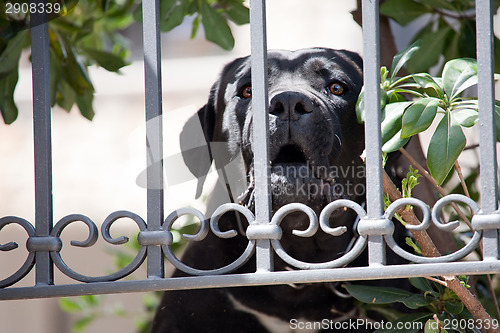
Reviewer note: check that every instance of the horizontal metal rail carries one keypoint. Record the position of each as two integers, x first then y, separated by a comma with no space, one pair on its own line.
253,279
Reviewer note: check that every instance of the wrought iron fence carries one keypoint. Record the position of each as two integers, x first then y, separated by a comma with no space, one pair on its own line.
155,238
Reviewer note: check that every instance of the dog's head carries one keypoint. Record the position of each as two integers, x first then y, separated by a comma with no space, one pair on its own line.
314,140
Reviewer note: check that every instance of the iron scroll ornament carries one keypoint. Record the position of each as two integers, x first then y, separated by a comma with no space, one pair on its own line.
271,231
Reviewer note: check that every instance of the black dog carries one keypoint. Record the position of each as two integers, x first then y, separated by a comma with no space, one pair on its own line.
315,148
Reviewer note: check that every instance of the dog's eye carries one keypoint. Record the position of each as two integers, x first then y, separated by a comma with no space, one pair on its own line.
336,88
246,92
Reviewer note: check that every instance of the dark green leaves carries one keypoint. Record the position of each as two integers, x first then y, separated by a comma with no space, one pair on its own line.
7,106
9,74
447,29
216,28
214,16
386,295
106,60
403,11
172,13
91,34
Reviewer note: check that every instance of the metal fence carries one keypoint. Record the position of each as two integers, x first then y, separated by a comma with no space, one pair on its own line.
155,238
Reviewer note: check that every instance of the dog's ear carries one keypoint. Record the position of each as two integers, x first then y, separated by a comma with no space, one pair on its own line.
195,139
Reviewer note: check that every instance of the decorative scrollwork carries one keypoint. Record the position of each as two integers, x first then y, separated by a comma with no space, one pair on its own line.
91,240
203,232
272,231
30,260
436,212
312,229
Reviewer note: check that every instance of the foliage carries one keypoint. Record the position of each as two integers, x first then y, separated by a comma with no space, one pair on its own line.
448,29
430,97
89,33
409,106
432,302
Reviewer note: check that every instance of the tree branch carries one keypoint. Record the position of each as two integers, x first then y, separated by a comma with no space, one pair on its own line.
429,249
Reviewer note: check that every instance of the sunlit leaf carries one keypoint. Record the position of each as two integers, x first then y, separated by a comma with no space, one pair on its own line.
419,116
446,144
458,75
466,117
402,57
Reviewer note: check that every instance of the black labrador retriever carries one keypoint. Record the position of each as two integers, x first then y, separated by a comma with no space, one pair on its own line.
315,145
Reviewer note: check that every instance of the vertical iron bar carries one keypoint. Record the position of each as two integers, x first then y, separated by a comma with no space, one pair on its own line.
154,131
371,77
42,140
260,107
487,129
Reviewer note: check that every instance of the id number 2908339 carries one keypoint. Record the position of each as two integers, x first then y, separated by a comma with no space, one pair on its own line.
24,8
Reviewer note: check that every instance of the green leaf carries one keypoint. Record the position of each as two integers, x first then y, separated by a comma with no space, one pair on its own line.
75,72
466,117
454,308
403,11
84,103
70,304
216,28
238,13
497,119
172,13
394,143
385,295
196,24
432,48
467,44
360,103
66,96
458,75
421,283
426,81
430,51
391,124
445,4
9,57
8,107
445,146
82,323
419,116
360,107
402,57
106,60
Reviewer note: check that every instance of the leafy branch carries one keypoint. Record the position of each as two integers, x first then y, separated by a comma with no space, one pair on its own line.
89,33
410,104
433,99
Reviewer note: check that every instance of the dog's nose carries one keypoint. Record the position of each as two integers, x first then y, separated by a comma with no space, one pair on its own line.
290,105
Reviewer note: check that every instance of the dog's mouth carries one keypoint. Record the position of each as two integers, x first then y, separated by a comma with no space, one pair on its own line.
299,175
290,154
